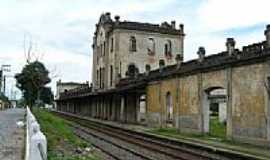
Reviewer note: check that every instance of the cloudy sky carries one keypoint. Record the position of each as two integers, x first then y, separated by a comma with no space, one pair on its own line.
62,30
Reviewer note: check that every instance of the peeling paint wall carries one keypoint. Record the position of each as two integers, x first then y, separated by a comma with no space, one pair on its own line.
248,116
189,112
168,86
153,105
248,101
140,57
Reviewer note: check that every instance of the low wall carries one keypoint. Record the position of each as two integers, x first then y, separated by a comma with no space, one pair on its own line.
36,143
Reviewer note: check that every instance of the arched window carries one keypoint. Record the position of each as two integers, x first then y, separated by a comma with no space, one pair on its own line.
169,106
151,46
132,70
132,44
168,49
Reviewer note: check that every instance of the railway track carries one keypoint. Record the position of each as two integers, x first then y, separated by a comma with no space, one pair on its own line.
145,146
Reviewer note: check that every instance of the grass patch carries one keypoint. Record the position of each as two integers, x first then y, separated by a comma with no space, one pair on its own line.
216,139
62,142
217,129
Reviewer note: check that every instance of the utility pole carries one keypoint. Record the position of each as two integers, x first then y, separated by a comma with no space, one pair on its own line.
4,86
1,78
4,68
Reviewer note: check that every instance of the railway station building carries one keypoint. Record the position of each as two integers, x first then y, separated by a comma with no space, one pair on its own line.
139,77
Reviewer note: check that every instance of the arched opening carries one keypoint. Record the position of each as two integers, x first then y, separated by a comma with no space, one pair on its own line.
168,49
142,109
215,111
151,47
132,70
169,109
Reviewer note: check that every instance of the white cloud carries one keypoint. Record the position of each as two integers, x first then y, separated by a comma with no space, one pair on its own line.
216,15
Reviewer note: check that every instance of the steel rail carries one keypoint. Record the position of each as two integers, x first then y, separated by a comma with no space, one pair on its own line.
170,150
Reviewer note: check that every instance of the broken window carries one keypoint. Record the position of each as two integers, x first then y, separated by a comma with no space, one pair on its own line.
132,44
112,44
97,76
104,49
151,47
169,107
111,75
168,49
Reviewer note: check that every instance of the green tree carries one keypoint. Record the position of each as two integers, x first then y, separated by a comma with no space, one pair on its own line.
46,95
32,82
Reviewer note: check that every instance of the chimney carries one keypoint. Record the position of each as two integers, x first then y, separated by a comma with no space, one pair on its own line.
179,60
201,54
267,35
181,27
147,69
230,44
161,65
108,15
173,24
117,19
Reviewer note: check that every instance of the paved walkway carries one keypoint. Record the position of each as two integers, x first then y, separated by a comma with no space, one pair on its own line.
11,136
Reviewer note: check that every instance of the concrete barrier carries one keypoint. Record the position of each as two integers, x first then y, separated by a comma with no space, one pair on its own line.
36,143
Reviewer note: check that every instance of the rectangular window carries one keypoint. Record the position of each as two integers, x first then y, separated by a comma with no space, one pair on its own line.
120,69
97,53
111,44
100,78
111,75
97,77
104,50
101,50
103,77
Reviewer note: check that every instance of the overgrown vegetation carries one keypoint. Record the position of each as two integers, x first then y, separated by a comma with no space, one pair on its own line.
217,129
217,138
63,144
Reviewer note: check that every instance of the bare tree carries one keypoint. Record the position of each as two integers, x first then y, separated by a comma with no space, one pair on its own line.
33,53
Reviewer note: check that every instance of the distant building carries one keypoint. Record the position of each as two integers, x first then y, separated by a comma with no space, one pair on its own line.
124,48
13,103
62,87
4,104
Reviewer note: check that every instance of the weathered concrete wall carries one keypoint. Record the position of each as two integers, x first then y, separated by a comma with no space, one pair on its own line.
140,58
248,102
120,57
153,105
185,101
189,112
167,86
248,117
214,79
